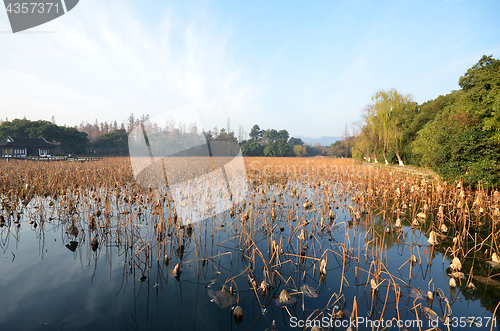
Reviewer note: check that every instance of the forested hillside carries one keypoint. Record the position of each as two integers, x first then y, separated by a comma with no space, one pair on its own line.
457,135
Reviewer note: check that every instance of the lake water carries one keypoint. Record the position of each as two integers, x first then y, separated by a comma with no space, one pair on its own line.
53,280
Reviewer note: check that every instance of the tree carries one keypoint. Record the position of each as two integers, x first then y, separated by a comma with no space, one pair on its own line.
457,134
370,130
282,148
295,147
256,133
115,142
295,141
270,136
481,87
270,149
480,75
463,140
224,136
393,111
72,141
130,123
283,135
299,150
252,148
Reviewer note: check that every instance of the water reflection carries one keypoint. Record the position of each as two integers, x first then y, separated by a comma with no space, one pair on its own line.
107,259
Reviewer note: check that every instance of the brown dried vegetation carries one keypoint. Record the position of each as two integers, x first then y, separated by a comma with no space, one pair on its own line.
294,204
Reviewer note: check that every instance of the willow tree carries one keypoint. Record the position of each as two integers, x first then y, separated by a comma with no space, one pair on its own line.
391,118
372,128
368,141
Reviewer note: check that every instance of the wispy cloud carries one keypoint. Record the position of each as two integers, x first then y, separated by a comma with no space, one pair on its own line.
254,63
104,62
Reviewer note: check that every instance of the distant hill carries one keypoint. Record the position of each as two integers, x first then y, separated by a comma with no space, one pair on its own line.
324,141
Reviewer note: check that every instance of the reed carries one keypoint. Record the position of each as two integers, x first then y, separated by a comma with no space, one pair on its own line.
299,223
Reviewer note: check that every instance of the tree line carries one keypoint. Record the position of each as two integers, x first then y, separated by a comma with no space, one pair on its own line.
272,142
72,140
457,135
111,139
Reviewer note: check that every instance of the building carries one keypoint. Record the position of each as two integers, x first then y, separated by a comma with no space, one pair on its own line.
23,147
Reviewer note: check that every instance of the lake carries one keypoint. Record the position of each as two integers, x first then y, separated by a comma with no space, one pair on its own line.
96,259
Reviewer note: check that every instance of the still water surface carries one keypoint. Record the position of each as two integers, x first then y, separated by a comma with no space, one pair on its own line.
52,280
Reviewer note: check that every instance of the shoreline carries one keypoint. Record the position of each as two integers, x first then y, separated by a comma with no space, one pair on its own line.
407,169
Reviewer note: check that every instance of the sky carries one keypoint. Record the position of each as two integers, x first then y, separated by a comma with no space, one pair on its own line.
308,67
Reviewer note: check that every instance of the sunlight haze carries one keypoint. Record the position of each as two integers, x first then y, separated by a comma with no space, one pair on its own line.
307,67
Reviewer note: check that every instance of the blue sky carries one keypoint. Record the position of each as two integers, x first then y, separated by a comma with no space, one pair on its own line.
309,67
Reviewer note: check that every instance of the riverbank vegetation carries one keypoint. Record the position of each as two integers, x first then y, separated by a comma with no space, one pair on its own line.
457,135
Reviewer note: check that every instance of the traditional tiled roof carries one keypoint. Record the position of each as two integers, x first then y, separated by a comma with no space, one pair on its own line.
27,142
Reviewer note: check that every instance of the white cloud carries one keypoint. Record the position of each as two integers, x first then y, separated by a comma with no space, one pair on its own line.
104,62
309,72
